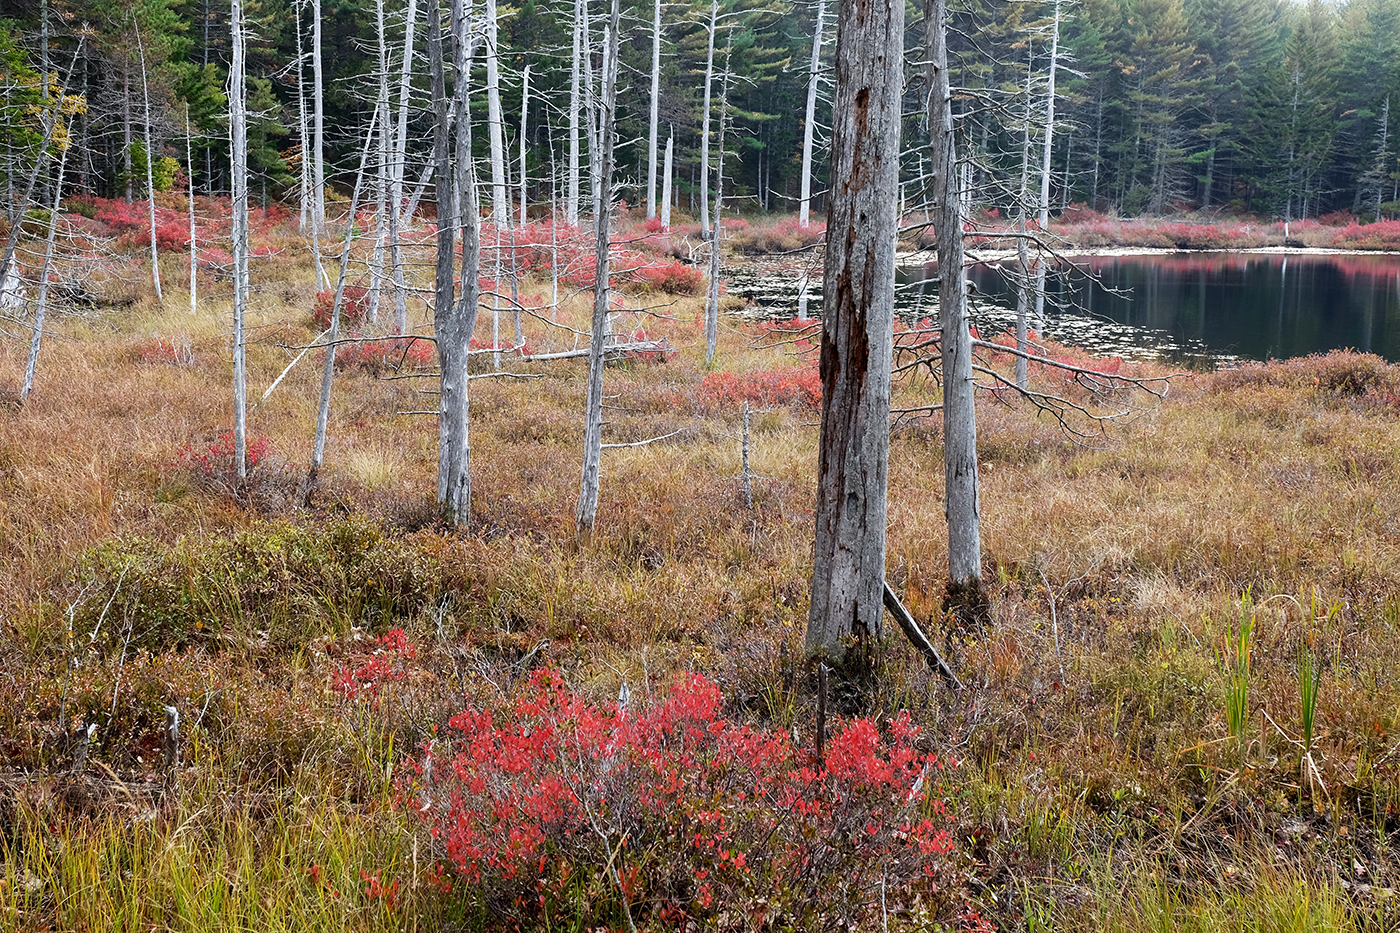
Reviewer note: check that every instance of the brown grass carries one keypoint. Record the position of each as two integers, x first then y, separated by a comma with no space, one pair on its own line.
1094,780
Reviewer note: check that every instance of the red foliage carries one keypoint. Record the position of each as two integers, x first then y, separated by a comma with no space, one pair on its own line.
800,386
388,659
354,306
392,354
171,352
681,809
673,278
216,460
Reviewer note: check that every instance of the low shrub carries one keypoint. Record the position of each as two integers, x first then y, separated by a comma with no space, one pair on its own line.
354,306
798,387
392,354
549,807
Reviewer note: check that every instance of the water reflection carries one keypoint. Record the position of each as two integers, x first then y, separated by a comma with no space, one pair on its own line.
1185,306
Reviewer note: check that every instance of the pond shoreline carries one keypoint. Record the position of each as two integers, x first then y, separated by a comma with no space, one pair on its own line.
978,256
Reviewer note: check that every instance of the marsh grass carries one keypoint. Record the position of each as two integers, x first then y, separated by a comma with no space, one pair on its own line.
1100,784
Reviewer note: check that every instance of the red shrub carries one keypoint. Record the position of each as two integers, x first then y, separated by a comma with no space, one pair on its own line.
800,386
393,354
673,813
673,278
216,460
354,306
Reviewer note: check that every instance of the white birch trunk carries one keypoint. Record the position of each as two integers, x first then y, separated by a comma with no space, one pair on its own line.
652,139
959,414
848,576
602,210
238,144
809,125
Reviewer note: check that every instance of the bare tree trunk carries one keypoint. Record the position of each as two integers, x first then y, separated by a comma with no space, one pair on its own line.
809,126
602,211
405,95
500,200
383,182
150,170
666,182
959,415
1023,259
19,206
323,415
705,123
318,110
238,135
524,116
194,239
848,574
454,322
571,190
712,293
42,298
655,109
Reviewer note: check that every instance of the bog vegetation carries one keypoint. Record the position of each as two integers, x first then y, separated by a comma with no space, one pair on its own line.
1178,710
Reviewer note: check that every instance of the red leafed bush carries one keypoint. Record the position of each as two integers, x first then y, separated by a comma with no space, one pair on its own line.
376,356
673,278
800,386
387,662
215,461
354,306
177,351
673,814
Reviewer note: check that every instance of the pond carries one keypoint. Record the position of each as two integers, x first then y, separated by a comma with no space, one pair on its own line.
1202,308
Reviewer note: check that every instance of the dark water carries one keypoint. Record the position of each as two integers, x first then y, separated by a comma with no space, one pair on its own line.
1194,307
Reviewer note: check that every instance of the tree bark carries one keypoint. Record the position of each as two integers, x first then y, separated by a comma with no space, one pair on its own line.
655,109
705,123
318,119
666,182
602,210
150,168
524,117
848,575
959,416
500,198
454,321
809,125
571,190
238,135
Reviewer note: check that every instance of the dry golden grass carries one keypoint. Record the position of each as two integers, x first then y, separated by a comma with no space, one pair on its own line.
1091,731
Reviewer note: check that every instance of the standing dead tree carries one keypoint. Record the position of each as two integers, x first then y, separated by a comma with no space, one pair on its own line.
848,576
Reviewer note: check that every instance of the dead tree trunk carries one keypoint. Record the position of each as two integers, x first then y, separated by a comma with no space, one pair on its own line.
454,320
323,415
809,127
655,109
602,211
959,416
848,575
238,135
